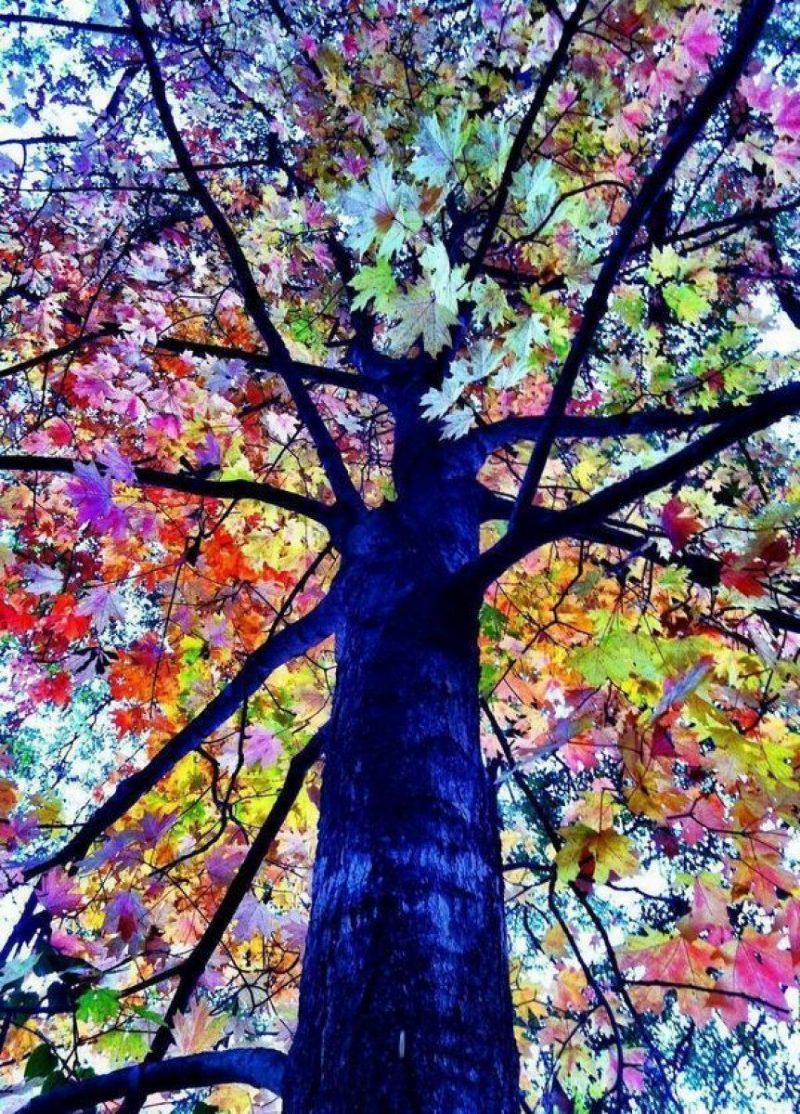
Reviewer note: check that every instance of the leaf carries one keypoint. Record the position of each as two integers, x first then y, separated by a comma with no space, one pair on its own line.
375,284
619,656
98,1004
261,747
381,210
439,148
102,605
58,893
421,317
686,302
445,281
537,189
759,970
17,969
41,1062
253,919
595,855
43,580
679,523
196,1030
699,40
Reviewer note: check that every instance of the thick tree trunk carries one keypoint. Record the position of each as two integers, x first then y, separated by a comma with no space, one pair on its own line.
405,1001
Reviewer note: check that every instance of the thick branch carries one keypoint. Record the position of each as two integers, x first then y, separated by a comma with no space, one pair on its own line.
66,24
749,28
308,373
55,353
192,969
538,527
279,648
634,423
261,1068
523,134
326,447
188,483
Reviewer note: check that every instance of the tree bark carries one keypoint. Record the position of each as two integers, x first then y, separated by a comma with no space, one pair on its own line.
405,1003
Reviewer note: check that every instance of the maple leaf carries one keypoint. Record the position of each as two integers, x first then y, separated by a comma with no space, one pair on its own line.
744,578
679,522
91,494
699,39
43,580
196,1030
253,919
439,148
102,605
421,317
381,210
57,892
376,284
787,117
535,186
261,747
759,970
595,855
125,916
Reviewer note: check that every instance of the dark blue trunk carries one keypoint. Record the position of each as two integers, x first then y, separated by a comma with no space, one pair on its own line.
405,1002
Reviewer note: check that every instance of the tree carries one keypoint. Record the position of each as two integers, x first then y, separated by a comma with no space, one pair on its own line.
399,478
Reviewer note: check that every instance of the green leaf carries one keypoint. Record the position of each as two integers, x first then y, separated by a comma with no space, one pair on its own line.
41,1062
685,302
99,1004
619,656
376,283
123,1046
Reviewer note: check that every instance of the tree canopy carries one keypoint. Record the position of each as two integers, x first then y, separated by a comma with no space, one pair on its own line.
248,246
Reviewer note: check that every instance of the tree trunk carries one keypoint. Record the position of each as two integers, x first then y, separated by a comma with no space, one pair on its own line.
405,1003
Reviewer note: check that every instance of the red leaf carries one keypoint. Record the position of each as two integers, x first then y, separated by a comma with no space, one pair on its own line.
743,580
679,523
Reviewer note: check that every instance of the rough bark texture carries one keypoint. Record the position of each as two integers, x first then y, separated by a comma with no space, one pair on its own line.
405,1002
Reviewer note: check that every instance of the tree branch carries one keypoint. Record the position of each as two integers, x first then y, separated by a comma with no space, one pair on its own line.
632,423
749,28
186,482
330,458
538,527
66,24
523,134
260,1067
61,350
705,570
191,970
278,648
303,372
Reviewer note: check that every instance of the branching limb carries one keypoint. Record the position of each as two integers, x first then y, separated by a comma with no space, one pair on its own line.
8,19
191,970
186,482
308,373
538,527
54,353
750,26
261,1068
330,458
279,648
527,125
634,423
